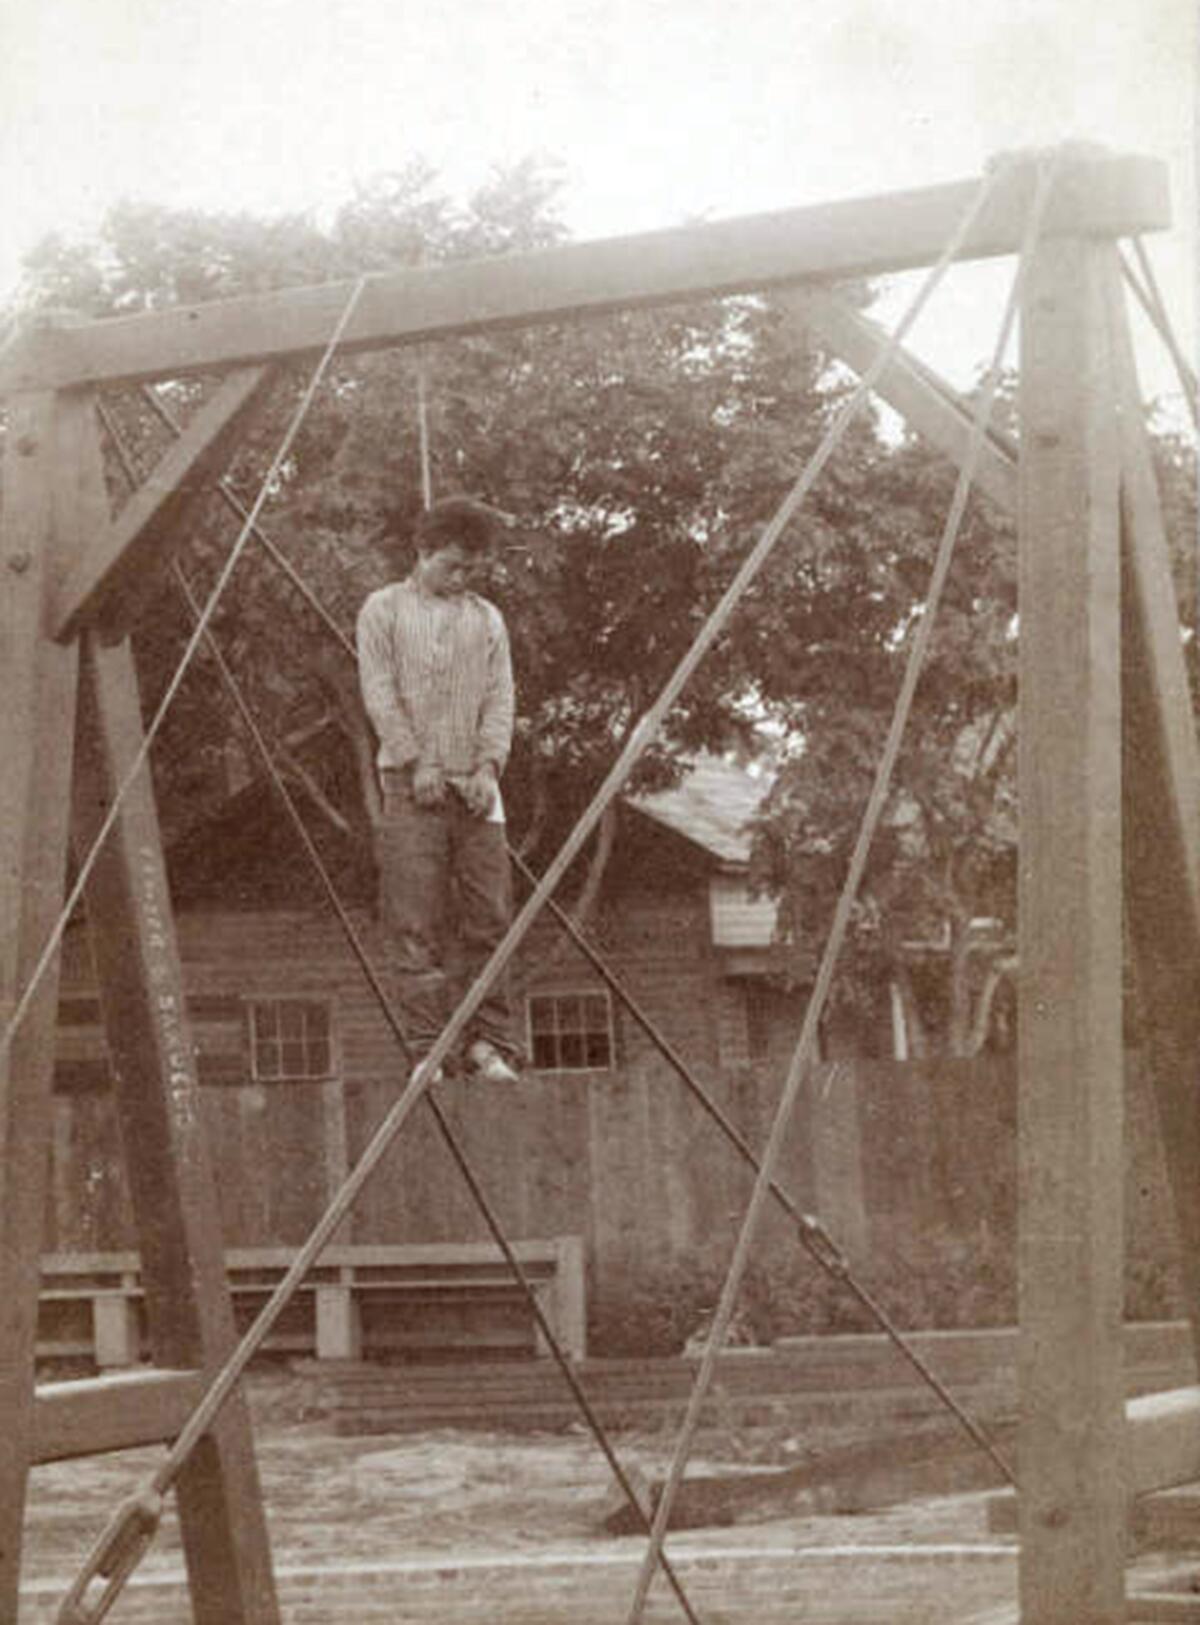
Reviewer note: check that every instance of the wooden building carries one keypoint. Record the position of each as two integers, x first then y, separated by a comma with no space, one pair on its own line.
298,1063
601,1139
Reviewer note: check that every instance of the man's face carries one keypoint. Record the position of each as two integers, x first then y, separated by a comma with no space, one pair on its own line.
447,572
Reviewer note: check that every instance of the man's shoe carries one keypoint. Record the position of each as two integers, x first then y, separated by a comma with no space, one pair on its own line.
488,1063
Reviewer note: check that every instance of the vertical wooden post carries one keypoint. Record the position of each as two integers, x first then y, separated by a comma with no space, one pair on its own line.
46,511
837,1155
1071,1089
335,1142
158,1100
1161,810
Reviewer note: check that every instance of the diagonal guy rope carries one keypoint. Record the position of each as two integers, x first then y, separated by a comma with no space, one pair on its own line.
874,809
163,1477
139,761
135,1522
811,1233
644,731
633,748
1151,300
121,1544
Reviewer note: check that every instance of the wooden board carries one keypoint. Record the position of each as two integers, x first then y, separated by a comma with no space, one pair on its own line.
1070,1115
925,401
1163,1440
126,559
112,1413
53,496
174,1196
1161,811
1113,196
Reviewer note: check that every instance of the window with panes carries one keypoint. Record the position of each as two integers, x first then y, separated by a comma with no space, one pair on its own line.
570,1032
290,1038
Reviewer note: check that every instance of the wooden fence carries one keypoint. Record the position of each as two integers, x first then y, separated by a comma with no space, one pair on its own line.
898,1161
893,1157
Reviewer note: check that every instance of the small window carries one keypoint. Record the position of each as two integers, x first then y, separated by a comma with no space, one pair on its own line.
290,1038
570,1032
772,1018
762,1010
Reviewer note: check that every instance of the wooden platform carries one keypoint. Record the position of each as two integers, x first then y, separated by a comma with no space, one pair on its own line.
818,1382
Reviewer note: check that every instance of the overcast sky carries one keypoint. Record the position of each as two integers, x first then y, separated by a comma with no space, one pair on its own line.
658,110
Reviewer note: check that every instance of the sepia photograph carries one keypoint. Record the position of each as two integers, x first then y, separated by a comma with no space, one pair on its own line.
599,812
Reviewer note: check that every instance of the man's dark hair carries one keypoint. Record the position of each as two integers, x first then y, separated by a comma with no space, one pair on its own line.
473,525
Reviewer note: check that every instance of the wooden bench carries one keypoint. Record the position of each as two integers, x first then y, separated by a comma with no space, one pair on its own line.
428,1298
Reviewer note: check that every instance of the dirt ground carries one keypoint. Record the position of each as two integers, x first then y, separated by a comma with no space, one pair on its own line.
466,1498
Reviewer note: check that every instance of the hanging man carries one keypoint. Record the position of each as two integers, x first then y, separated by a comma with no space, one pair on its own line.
436,680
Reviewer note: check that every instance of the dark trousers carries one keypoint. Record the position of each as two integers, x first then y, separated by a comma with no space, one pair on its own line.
446,903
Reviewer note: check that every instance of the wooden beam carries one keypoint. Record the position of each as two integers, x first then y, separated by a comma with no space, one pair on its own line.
118,1412
123,563
1160,1607
1162,1448
925,401
1106,196
53,496
157,1092
1162,1440
1161,810
1070,1100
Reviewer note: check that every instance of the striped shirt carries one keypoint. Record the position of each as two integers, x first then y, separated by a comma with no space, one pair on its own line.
436,678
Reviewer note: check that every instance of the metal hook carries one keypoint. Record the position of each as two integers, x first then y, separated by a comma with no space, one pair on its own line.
116,1554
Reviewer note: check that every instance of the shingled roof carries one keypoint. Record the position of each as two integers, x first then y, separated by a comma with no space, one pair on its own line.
712,805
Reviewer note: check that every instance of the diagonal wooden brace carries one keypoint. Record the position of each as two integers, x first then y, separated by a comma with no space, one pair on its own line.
1160,808
171,1179
924,399
124,562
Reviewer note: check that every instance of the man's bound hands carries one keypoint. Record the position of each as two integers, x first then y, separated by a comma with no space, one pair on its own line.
429,784
479,789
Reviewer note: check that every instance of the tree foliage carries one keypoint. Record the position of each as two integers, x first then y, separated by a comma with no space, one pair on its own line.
637,456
